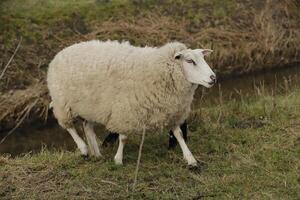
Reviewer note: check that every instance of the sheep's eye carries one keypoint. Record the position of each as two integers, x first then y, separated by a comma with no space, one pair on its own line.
191,61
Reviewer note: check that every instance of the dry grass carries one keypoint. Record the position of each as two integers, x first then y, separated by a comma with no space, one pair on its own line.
13,106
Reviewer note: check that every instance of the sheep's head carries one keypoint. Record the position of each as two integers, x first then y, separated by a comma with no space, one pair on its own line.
195,68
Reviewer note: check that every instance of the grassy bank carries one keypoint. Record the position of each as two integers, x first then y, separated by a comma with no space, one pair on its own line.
248,149
245,35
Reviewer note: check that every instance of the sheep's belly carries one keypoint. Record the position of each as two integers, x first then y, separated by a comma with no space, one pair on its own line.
126,120
161,120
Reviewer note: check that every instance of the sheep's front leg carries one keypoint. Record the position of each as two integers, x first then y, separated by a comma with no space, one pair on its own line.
91,138
119,155
186,152
80,143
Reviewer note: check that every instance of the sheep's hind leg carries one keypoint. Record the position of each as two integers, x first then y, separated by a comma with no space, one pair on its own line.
80,143
119,155
173,140
186,152
91,138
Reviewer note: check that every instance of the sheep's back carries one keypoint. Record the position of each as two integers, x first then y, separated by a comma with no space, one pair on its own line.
91,78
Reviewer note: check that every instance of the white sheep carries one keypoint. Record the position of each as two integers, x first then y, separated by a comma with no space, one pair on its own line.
127,89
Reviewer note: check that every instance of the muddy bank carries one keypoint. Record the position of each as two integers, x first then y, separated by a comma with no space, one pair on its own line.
246,37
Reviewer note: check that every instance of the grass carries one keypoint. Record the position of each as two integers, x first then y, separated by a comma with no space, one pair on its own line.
247,149
246,36
30,16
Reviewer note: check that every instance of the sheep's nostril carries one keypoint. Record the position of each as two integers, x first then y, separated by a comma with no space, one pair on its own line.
213,78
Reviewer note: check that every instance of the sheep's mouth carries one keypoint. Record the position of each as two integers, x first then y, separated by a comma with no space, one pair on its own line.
206,84
211,83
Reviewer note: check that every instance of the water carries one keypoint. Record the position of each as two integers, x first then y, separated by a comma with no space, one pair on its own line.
38,136
35,138
276,81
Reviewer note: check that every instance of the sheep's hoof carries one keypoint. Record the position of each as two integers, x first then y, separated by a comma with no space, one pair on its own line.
98,156
118,163
193,166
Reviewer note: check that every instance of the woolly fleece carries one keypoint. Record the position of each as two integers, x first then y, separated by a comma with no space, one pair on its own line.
123,87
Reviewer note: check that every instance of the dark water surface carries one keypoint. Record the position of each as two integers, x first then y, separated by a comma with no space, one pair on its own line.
36,137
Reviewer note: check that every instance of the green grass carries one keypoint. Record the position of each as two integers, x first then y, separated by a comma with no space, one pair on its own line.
247,150
246,35
30,18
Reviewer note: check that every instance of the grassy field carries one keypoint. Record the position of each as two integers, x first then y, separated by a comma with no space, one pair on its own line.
248,148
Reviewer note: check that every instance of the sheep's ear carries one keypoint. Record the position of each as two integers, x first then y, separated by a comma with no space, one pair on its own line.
206,52
178,55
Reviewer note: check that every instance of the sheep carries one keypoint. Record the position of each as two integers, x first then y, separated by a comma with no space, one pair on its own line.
127,89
